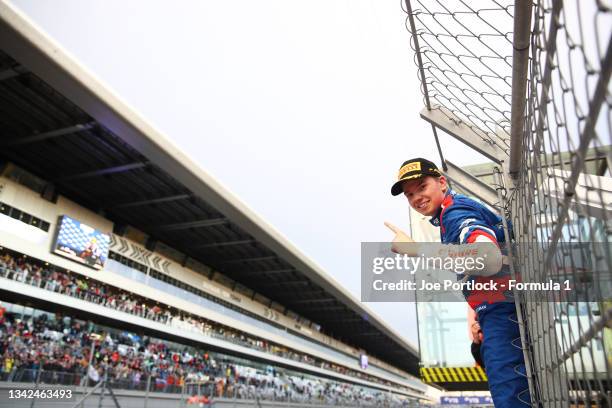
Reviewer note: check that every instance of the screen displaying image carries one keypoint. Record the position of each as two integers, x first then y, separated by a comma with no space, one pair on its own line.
81,243
363,361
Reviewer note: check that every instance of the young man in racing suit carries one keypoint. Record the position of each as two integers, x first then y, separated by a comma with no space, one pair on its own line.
464,221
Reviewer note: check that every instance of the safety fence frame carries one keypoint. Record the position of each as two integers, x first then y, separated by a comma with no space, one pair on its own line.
526,85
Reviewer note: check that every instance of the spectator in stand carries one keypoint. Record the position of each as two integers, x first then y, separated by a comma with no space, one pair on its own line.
72,284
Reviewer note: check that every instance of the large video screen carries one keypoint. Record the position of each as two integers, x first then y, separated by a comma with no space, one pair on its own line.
81,243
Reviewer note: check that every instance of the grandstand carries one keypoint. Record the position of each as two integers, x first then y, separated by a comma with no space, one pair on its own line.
123,263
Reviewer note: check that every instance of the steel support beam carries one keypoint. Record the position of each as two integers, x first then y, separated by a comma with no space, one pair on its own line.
48,135
520,63
315,291
592,194
301,302
291,282
589,156
605,165
337,320
101,172
270,272
320,316
150,201
471,184
255,259
444,119
223,244
177,226
326,308
12,72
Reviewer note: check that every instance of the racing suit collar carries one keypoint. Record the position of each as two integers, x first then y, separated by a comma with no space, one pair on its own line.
435,220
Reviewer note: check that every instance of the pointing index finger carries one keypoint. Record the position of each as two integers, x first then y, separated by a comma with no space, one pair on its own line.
392,227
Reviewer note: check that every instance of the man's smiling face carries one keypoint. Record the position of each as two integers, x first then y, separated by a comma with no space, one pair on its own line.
425,194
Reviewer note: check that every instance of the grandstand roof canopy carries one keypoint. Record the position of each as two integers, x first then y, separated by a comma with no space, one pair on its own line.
60,123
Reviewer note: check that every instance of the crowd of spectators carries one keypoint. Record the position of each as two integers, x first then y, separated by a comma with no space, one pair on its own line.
59,348
35,273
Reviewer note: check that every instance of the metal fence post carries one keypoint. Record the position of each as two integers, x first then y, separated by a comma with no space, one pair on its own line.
38,374
146,401
499,181
104,385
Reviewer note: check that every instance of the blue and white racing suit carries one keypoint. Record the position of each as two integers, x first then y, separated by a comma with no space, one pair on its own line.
463,220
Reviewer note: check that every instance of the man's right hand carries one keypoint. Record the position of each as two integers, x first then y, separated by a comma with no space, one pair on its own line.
476,333
400,238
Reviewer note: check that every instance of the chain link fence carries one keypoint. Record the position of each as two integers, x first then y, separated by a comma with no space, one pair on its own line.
562,199
464,54
527,84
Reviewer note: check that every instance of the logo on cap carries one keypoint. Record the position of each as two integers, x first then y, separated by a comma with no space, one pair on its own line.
414,166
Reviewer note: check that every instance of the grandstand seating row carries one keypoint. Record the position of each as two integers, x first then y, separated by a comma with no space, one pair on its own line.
56,349
31,272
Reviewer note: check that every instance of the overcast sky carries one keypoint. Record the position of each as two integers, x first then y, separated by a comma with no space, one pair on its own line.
303,109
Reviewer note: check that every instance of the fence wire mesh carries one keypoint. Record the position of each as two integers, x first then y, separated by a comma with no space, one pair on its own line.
560,200
465,55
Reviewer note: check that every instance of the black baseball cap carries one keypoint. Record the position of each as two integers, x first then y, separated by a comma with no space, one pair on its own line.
412,169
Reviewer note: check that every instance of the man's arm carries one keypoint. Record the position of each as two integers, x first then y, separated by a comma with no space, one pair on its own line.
486,248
